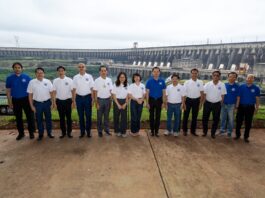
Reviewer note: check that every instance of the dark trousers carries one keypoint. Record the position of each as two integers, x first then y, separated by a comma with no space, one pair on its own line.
103,112
43,108
64,108
191,104
244,113
136,113
155,113
84,106
215,109
20,105
120,117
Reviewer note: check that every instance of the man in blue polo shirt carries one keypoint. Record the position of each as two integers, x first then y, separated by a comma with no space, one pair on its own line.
155,97
16,91
228,106
248,104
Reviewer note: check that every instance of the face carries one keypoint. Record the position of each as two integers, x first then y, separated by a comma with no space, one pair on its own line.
61,72
122,78
137,78
232,78
174,80
81,68
250,79
39,74
194,74
156,73
216,76
17,69
103,72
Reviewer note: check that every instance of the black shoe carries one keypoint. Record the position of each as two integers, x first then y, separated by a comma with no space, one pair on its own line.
82,135
19,137
31,136
62,136
89,135
246,140
213,136
157,135
152,134
100,135
108,133
185,133
194,134
69,135
237,138
51,136
204,135
40,138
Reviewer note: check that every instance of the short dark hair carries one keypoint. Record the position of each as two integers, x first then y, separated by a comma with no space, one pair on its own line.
194,69
17,63
102,66
118,82
232,73
134,75
39,68
60,67
175,75
155,68
216,71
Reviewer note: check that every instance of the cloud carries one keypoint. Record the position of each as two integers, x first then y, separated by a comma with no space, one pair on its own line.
117,23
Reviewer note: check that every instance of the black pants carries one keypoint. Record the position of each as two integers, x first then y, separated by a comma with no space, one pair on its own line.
191,104
120,117
215,108
64,108
20,104
244,112
155,113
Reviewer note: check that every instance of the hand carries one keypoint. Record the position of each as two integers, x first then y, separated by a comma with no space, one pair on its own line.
10,106
256,110
124,106
166,107
200,107
183,107
97,106
147,105
33,109
73,104
54,106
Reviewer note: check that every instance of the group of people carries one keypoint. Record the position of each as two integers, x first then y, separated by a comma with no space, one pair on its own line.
36,97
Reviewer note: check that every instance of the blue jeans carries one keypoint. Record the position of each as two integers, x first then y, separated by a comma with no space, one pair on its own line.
43,108
173,109
136,112
84,106
227,118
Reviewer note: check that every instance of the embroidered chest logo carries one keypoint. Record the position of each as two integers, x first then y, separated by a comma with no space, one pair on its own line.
23,80
178,90
160,83
219,88
198,85
66,83
233,89
253,90
45,84
87,79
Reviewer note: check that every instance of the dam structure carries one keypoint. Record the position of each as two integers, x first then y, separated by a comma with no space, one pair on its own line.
247,57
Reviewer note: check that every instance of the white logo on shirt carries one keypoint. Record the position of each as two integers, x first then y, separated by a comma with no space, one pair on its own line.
252,90
24,80
233,89
160,83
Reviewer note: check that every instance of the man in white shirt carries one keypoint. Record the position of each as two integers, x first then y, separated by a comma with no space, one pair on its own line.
82,98
63,94
214,92
40,92
193,101
175,100
102,94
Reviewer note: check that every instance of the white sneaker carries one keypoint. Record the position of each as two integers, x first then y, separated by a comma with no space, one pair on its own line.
119,134
124,135
176,134
166,133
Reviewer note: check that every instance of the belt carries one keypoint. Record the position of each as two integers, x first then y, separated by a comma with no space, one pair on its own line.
83,96
193,98
42,101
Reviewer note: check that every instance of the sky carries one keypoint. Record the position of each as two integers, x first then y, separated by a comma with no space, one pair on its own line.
114,24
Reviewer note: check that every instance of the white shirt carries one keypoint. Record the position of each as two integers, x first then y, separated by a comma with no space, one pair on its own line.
103,87
120,92
214,92
63,87
137,91
83,84
193,88
174,93
40,89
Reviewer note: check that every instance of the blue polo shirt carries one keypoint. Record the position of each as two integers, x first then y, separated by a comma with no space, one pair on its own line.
232,93
155,87
248,94
18,85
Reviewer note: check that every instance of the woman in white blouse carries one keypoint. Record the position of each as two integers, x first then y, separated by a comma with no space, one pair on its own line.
120,101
